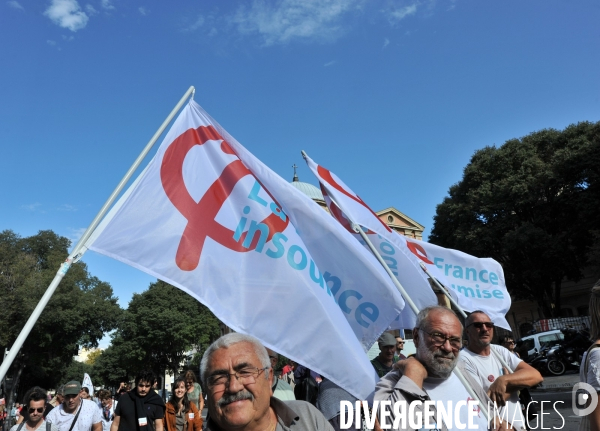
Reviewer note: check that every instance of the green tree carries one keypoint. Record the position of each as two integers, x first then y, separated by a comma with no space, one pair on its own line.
161,329
531,204
81,310
92,356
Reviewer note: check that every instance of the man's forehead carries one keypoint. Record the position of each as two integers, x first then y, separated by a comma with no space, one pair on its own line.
238,353
444,322
479,317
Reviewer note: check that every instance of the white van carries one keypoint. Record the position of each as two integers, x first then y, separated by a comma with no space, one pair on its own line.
541,339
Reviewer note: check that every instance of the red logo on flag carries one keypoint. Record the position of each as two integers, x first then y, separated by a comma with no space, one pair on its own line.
201,215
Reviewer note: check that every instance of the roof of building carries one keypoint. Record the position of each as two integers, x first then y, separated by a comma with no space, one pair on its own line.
309,190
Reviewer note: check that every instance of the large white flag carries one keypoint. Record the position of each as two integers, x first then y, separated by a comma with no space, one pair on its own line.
475,283
347,206
208,217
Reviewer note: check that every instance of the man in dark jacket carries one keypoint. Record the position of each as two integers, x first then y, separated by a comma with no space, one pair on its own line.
141,408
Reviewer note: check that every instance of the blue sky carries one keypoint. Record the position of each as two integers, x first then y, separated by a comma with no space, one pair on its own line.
392,96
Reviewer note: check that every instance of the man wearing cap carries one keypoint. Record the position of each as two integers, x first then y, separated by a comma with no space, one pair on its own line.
384,361
75,414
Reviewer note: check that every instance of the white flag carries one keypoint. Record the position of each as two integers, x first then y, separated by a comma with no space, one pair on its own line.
211,219
475,283
346,206
87,383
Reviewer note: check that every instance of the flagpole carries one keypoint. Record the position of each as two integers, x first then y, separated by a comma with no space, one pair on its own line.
462,312
412,305
78,250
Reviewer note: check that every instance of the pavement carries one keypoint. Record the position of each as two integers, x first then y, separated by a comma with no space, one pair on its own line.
558,383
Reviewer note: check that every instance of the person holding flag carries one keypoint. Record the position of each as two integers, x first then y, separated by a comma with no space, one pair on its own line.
209,218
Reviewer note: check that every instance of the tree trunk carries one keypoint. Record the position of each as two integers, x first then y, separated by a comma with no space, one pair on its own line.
557,303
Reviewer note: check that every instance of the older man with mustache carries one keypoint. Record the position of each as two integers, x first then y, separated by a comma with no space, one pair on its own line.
428,377
237,373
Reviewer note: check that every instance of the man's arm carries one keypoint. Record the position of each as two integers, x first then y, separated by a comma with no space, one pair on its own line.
524,376
97,427
115,423
158,425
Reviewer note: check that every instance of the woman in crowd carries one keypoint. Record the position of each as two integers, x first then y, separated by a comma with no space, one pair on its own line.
194,391
181,414
589,371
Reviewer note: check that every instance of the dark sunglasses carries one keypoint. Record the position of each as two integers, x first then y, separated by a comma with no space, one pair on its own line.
479,325
39,410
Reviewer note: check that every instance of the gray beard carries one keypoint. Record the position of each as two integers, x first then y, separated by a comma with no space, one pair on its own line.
434,366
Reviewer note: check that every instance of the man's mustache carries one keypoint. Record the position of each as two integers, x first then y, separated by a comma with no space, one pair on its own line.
238,396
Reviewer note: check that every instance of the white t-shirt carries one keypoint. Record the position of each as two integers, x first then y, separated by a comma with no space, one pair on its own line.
452,390
90,414
41,428
593,374
486,369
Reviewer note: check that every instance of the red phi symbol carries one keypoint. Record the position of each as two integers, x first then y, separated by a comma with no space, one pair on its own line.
201,216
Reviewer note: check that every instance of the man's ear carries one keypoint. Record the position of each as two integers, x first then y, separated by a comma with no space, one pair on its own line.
416,337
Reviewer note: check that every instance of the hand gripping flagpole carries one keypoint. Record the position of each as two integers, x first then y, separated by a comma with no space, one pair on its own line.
462,312
79,248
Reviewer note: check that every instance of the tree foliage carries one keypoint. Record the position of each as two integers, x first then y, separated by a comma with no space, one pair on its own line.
160,329
531,204
81,310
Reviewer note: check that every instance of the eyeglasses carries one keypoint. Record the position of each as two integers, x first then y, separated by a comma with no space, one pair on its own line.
39,410
479,325
245,376
400,342
440,339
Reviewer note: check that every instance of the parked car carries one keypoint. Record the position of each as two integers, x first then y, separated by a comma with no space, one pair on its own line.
527,345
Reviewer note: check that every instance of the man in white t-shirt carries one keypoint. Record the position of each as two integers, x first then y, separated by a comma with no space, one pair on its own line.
84,413
429,376
479,361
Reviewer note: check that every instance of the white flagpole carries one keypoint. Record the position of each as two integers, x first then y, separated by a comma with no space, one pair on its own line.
78,251
407,298
462,312
414,308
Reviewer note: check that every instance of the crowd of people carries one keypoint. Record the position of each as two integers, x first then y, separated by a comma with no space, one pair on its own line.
243,393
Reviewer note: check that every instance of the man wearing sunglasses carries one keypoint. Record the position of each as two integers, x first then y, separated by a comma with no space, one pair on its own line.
501,386
429,375
34,406
237,373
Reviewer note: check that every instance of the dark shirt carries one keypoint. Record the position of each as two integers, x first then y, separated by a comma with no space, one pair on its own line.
126,411
381,369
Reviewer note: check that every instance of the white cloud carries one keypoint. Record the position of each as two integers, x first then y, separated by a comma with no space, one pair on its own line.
287,20
386,42
33,206
397,15
67,207
68,38
90,9
142,10
196,25
330,63
15,5
74,234
67,14
107,5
